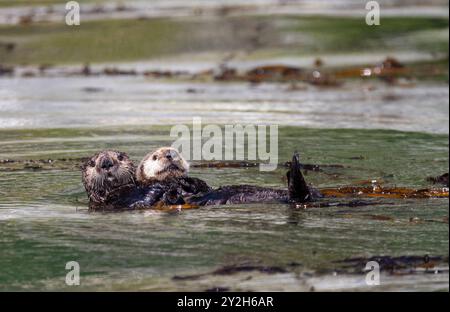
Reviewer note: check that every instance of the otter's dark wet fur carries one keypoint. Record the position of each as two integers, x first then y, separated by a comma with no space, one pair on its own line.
186,185
167,165
298,191
109,180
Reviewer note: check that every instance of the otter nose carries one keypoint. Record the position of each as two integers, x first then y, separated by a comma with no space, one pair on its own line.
169,156
106,163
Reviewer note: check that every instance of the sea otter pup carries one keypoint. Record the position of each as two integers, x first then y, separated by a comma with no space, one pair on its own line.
165,162
167,165
109,180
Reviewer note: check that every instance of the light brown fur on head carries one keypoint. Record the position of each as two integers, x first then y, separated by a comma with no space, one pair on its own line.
165,162
105,172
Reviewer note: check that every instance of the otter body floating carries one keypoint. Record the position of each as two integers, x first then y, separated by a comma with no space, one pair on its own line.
167,165
298,191
110,182
161,181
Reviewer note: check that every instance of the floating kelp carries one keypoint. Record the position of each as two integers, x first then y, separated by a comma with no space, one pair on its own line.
384,192
40,164
401,265
118,72
387,70
396,265
224,164
323,204
274,73
7,46
234,269
173,208
29,73
249,164
323,79
163,73
374,217
6,70
373,190
277,73
86,70
66,163
390,70
26,20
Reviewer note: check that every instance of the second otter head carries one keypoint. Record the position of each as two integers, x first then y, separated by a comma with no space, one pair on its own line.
165,162
105,172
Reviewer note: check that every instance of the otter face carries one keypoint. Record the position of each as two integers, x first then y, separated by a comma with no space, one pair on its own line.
165,162
105,172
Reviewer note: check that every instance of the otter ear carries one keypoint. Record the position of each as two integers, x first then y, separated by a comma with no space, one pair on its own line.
122,155
86,163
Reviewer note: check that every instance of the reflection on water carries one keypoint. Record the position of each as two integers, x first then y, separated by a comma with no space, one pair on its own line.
44,222
106,101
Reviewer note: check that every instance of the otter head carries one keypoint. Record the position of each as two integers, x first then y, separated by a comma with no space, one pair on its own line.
165,162
105,172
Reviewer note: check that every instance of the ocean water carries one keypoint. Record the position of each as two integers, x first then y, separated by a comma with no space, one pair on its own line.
398,136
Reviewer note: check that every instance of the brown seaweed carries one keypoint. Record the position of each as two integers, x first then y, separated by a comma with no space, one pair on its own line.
274,73
6,70
387,70
384,192
234,269
323,204
400,265
7,46
394,265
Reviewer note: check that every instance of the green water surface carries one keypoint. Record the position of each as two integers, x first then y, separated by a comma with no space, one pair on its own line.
44,222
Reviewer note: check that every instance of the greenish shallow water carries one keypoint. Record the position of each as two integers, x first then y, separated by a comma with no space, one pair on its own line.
44,222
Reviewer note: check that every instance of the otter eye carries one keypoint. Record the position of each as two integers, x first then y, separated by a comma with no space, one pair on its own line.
91,163
154,157
120,157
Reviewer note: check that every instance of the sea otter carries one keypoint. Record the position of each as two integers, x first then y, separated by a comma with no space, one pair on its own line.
167,165
110,182
165,162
